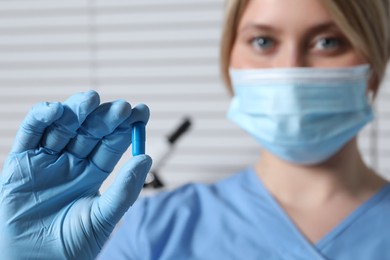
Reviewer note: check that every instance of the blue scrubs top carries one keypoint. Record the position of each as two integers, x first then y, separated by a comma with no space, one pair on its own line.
237,218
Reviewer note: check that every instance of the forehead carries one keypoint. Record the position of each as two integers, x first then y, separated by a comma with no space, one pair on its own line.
285,13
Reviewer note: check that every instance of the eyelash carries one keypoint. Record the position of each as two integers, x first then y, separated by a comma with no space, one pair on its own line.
254,42
340,43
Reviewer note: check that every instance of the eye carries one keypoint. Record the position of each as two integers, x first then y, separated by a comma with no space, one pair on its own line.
262,43
328,44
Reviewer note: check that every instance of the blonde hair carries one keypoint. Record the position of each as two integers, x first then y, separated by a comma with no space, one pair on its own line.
366,23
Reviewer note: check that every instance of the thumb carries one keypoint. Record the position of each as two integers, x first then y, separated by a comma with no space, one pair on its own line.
124,191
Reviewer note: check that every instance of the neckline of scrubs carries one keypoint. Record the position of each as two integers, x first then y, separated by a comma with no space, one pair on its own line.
354,215
332,234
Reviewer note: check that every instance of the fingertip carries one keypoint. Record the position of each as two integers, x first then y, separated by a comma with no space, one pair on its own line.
47,112
92,92
33,126
147,158
144,160
92,97
139,164
144,109
121,108
141,112
142,106
80,105
89,101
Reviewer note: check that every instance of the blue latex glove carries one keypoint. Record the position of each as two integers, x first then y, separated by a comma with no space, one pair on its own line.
50,206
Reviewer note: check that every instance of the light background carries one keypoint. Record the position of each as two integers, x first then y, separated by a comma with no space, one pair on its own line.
162,53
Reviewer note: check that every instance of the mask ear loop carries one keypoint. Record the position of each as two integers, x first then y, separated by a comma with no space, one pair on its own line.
371,97
370,92
373,130
373,134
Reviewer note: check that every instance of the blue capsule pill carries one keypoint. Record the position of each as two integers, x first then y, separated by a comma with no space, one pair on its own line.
138,138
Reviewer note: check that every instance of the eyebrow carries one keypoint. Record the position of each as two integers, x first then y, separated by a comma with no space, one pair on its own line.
257,26
321,27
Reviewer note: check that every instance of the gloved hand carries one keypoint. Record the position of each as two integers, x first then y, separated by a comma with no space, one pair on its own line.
50,206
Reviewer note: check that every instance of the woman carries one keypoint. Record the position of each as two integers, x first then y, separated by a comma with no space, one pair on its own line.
302,73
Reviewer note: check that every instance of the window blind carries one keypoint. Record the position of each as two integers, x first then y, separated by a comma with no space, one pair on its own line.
162,53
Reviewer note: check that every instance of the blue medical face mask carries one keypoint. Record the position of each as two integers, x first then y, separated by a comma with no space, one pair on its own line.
301,115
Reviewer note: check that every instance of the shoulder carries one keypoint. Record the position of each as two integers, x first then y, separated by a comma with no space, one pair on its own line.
381,201
374,213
